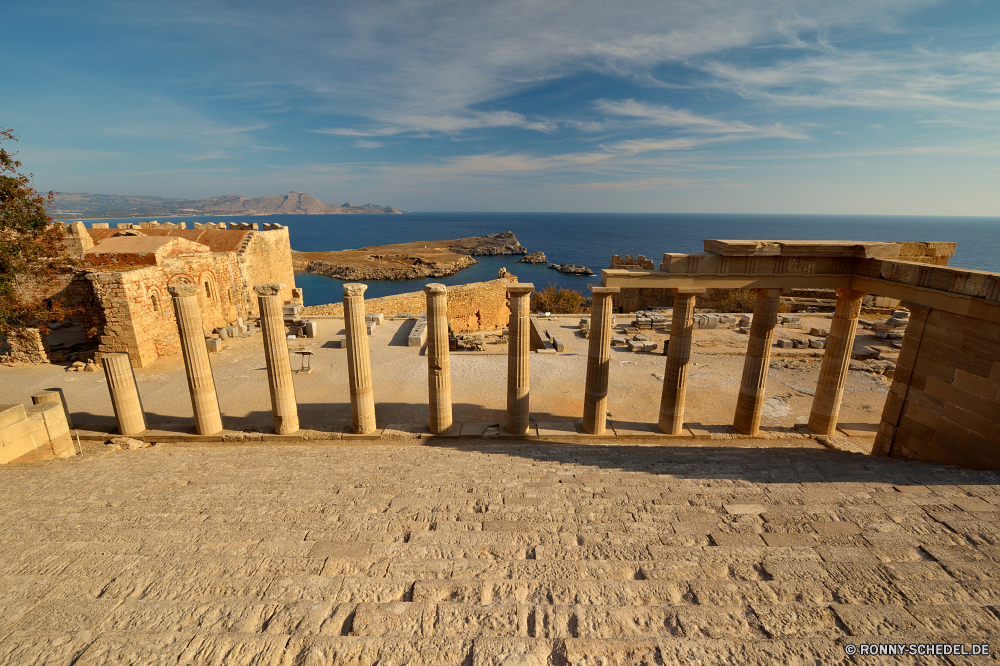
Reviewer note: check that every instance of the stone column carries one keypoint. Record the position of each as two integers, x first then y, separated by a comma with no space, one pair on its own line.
595,399
201,382
279,368
124,394
518,360
438,363
359,365
751,399
678,357
836,360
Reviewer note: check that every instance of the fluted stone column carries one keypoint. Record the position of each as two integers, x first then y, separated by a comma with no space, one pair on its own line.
595,400
124,394
675,375
201,382
279,368
836,361
518,360
438,362
751,399
359,365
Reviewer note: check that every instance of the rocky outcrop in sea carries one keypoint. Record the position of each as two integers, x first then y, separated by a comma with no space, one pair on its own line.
571,269
536,258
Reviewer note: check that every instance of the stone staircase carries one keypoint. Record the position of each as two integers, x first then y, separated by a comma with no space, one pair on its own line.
492,554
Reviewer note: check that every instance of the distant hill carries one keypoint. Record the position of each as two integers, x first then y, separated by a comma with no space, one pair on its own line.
74,205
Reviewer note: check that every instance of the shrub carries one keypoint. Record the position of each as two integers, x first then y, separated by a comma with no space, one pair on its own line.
737,300
558,301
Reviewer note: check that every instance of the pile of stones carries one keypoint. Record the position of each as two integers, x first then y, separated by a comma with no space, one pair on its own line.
894,328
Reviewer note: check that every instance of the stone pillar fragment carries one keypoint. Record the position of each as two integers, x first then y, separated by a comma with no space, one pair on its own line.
53,395
595,400
518,361
751,398
836,361
674,393
359,366
124,394
201,382
279,368
438,361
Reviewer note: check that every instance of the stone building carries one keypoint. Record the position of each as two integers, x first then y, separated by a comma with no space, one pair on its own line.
120,295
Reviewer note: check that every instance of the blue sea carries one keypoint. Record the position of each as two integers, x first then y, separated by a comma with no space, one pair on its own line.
591,238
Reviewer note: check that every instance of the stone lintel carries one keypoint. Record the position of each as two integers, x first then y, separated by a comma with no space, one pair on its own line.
598,290
681,291
804,248
182,290
520,288
355,289
269,288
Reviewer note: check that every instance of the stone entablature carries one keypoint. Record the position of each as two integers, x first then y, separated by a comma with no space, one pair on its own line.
944,403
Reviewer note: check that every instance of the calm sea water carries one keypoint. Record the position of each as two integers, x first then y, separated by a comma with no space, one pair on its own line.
591,238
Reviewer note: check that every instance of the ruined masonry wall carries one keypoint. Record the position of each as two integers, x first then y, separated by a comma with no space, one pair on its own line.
944,404
471,307
268,258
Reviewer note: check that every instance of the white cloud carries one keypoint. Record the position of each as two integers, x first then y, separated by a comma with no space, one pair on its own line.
685,120
363,143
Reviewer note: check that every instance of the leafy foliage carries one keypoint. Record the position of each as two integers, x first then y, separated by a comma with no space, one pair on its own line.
30,248
559,301
737,300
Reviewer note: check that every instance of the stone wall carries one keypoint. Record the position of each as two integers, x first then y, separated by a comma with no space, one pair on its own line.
471,307
268,258
25,345
944,403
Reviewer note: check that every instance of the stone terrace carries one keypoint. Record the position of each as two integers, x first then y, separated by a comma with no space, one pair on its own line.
484,553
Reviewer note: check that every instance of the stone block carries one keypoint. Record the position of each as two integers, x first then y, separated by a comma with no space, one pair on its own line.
784,344
370,327
213,345
56,427
558,344
11,414
311,328
617,340
817,344
866,353
376,317
223,332
54,395
818,332
418,336
900,314
291,310
800,343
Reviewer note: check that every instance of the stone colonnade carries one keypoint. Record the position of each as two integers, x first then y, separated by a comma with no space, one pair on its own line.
201,382
595,401
438,361
518,361
279,367
822,419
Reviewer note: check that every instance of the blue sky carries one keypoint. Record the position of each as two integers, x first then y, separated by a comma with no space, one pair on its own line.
855,106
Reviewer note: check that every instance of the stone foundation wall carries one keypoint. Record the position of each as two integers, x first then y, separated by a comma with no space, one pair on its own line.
36,432
471,307
25,345
944,404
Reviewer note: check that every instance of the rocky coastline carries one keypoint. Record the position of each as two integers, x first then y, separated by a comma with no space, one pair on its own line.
407,261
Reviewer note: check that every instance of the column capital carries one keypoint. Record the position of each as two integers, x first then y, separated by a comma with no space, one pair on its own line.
598,290
182,290
435,289
850,293
355,289
269,288
520,288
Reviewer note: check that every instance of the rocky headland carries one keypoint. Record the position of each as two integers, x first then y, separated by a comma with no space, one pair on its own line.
407,261
534,258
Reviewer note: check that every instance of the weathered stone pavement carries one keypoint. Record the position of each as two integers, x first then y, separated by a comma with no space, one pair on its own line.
486,554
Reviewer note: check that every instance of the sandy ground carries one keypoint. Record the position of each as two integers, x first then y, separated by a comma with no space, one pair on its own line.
478,383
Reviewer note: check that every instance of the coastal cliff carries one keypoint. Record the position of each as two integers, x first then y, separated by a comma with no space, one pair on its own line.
407,261
83,204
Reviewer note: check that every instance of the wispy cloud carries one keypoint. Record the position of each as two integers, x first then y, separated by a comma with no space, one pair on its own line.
684,120
367,144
